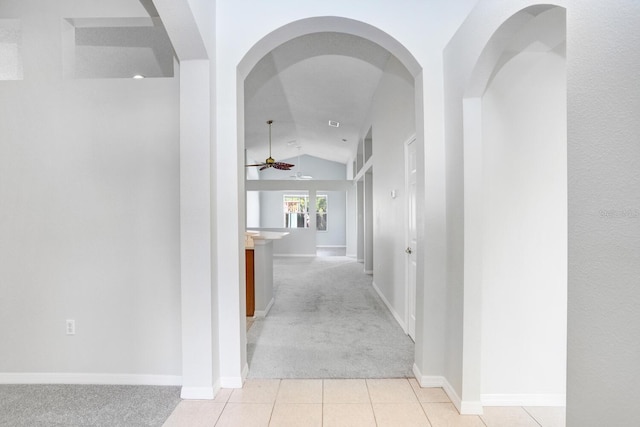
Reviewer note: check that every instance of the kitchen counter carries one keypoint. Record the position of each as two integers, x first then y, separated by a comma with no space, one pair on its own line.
261,243
251,235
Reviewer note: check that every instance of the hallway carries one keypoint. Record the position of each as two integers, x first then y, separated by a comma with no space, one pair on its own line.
327,321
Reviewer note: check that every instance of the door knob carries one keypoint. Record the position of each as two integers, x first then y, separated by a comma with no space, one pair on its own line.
408,250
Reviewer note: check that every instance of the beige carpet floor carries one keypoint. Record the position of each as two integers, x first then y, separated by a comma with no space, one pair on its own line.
327,322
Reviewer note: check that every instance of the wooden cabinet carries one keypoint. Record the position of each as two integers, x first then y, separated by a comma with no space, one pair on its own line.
250,273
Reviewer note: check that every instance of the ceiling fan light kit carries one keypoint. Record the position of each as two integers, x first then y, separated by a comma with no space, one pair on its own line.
270,162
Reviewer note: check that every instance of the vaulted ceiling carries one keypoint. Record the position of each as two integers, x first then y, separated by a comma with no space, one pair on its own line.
305,83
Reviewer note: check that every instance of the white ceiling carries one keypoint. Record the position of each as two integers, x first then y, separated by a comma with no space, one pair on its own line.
304,83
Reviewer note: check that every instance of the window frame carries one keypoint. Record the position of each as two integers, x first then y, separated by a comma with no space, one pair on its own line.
305,209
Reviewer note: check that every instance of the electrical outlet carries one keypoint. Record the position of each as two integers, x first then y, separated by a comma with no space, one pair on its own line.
71,327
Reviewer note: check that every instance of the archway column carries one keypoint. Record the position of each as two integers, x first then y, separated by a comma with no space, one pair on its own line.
195,234
435,358
199,314
473,229
230,215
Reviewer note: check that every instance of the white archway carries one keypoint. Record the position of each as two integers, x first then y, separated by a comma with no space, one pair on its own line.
514,36
250,59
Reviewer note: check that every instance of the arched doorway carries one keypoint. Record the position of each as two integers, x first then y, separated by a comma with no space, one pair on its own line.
515,217
317,26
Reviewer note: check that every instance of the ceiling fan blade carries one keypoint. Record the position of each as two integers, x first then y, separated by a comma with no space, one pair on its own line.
257,164
283,166
263,167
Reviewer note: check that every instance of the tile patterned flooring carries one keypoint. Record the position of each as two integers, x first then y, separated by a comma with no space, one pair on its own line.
353,403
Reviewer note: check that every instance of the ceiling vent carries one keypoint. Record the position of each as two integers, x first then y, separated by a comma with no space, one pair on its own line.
334,124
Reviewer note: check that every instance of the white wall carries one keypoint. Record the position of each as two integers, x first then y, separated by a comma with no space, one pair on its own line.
299,242
369,246
270,206
253,209
337,220
524,289
603,62
271,210
350,224
253,200
360,220
392,120
123,51
89,183
10,49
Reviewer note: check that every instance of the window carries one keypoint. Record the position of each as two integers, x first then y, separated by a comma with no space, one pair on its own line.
296,211
321,212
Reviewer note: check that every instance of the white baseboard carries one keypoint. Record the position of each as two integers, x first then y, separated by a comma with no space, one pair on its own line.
216,388
393,312
475,407
87,378
551,399
263,313
469,407
245,372
235,382
418,375
464,407
427,381
198,393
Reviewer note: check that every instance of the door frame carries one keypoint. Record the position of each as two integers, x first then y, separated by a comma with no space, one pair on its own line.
410,297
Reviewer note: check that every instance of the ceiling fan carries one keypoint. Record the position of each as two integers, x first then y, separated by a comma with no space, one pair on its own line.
270,162
299,174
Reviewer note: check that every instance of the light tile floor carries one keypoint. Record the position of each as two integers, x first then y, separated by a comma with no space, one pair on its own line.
353,403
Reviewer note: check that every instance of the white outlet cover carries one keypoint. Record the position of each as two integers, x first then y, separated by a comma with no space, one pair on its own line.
71,327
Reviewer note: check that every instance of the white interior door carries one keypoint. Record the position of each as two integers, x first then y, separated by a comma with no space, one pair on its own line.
412,236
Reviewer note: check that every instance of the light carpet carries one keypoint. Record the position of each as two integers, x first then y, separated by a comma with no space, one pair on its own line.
86,405
327,322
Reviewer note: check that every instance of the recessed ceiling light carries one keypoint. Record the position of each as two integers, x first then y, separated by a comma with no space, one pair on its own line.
138,76
334,124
